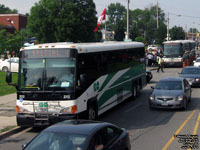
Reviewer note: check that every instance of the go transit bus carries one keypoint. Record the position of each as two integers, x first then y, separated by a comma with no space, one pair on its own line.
59,81
178,51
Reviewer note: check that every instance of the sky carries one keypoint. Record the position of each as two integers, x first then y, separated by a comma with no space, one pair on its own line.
184,13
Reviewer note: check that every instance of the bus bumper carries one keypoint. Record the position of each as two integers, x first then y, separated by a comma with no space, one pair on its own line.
174,64
25,120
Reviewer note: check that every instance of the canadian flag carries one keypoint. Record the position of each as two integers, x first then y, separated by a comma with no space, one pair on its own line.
101,18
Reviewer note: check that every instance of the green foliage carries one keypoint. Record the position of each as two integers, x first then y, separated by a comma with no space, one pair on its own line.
116,14
119,31
177,33
61,20
6,10
140,39
7,89
12,42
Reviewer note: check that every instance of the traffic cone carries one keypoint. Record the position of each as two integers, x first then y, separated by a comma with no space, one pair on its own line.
183,64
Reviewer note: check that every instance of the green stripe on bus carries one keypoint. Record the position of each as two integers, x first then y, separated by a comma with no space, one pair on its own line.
132,72
107,80
113,91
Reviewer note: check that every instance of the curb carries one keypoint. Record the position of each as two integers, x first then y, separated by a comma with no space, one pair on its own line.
6,134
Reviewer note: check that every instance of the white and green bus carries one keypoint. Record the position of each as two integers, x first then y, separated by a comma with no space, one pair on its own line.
59,81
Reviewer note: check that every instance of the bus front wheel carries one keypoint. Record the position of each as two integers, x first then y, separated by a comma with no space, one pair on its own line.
92,113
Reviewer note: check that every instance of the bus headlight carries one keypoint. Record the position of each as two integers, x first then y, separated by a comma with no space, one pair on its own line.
20,109
69,110
180,98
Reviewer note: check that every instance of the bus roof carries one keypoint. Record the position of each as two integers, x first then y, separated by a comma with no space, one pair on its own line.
88,47
179,41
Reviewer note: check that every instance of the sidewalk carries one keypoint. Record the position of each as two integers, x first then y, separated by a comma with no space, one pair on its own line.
7,113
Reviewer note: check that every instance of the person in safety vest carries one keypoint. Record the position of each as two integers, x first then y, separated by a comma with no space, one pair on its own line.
160,64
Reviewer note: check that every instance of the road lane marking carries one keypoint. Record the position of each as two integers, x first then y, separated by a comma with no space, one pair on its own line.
196,127
179,130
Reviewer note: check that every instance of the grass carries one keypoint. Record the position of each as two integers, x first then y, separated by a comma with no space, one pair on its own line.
4,87
7,128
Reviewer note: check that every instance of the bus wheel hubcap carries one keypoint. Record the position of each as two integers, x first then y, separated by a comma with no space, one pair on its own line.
91,114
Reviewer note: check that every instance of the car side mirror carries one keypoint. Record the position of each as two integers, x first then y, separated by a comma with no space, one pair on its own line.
24,146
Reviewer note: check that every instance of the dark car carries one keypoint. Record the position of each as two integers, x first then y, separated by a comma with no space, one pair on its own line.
81,135
149,76
192,74
170,93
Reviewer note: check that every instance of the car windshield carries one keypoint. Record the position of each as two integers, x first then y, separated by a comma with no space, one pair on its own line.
191,71
169,85
57,141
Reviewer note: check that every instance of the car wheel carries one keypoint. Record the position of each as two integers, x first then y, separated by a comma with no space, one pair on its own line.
5,69
92,113
189,100
185,104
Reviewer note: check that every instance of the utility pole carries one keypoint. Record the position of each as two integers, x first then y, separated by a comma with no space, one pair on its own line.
168,36
157,15
127,30
185,32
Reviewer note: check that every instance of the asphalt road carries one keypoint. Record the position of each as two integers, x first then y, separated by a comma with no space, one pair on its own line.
149,129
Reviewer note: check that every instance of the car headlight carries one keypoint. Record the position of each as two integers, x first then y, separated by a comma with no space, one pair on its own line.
180,98
69,110
197,79
20,109
151,98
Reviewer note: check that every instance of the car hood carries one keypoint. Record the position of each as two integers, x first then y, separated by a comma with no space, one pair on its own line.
167,93
189,75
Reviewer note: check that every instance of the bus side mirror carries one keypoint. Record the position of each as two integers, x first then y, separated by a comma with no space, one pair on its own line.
9,77
83,80
9,80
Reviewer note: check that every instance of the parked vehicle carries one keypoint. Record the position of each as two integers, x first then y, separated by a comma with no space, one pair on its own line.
149,76
10,64
196,62
171,93
192,74
81,135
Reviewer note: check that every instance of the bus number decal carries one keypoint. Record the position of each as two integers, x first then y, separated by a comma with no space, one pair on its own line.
96,86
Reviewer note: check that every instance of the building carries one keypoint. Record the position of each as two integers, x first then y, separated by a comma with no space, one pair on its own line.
13,22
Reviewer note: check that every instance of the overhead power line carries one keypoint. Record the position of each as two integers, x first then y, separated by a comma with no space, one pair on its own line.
179,15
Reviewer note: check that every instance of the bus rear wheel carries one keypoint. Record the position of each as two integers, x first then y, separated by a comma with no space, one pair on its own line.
134,91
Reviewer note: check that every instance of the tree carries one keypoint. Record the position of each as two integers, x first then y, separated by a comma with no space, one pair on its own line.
116,16
177,33
6,10
61,20
116,12
119,31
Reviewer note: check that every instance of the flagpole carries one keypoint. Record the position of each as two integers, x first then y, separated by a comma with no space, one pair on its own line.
105,25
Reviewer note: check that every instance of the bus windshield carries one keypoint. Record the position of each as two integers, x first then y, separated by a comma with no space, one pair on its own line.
173,50
47,74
